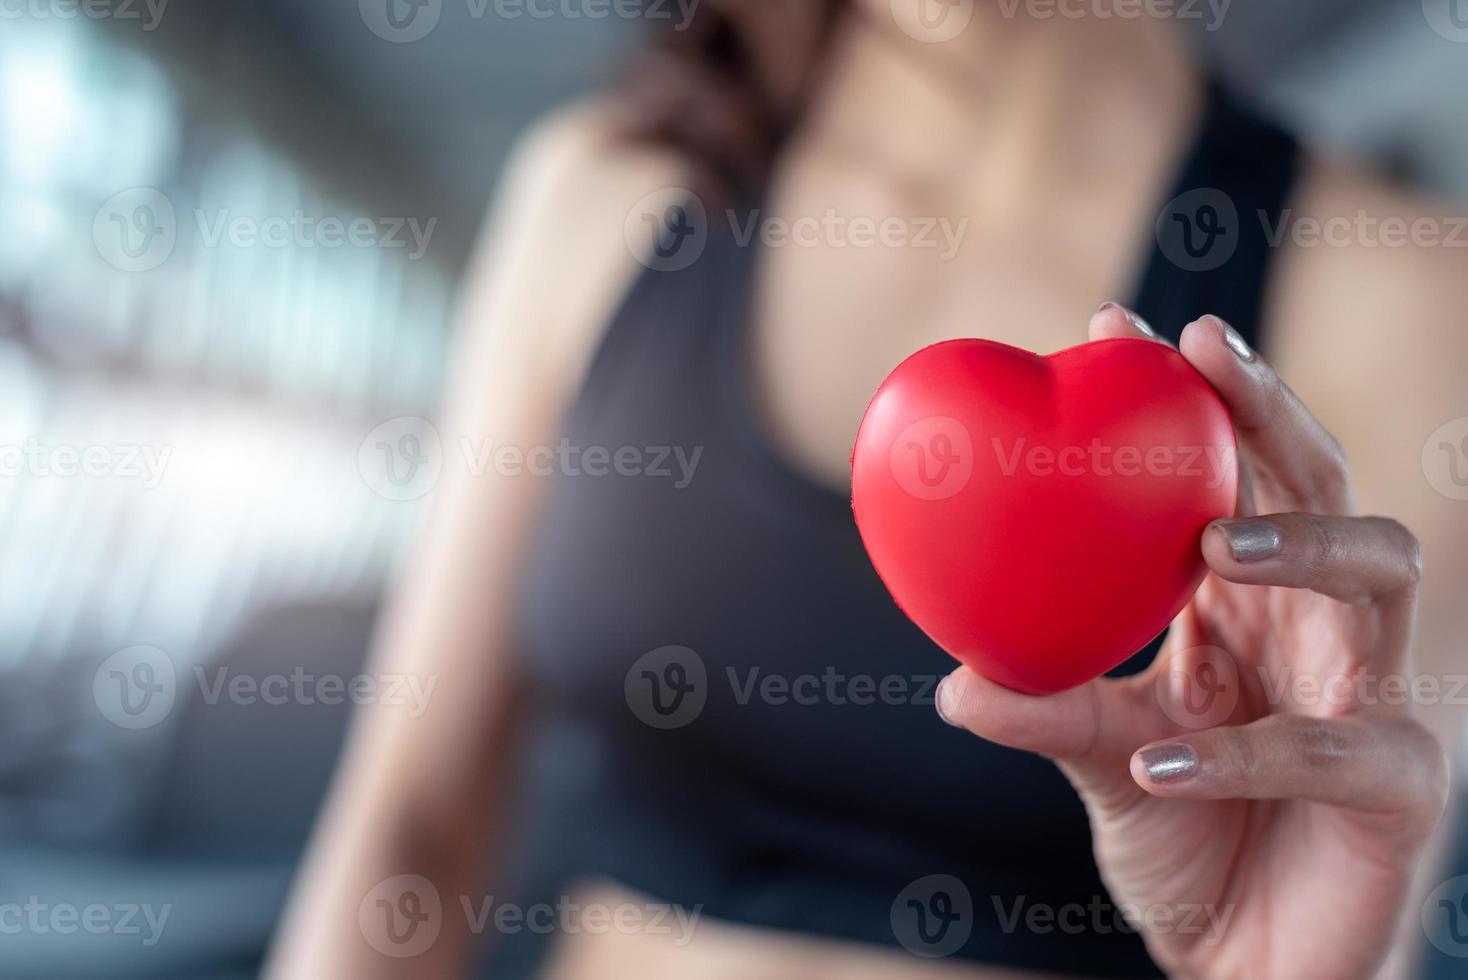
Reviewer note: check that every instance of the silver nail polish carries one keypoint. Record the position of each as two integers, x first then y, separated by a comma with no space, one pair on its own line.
946,701
1170,763
1132,317
1252,540
1236,344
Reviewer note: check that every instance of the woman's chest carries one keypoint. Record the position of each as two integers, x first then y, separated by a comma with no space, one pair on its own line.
848,281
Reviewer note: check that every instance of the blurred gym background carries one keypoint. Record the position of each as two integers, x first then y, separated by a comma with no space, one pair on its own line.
250,375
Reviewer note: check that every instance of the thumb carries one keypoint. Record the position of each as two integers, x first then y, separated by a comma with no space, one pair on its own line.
1059,726
1091,730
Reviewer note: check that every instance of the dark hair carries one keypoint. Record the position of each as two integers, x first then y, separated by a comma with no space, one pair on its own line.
727,87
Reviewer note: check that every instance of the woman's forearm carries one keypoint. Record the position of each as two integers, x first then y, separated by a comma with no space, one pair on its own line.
396,849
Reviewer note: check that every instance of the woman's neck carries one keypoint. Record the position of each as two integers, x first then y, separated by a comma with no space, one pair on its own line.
1010,101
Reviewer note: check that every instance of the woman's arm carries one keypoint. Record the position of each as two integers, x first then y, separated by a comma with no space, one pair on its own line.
1293,822
418,796
1305,813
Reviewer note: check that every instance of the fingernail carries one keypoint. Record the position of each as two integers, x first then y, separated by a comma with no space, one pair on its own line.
1236,342
947,701
1169,763
1251,540
1133,318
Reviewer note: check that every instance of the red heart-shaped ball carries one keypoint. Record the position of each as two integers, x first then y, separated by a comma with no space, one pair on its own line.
1039,517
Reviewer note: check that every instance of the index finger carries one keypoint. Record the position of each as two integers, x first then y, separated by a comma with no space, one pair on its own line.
1298,465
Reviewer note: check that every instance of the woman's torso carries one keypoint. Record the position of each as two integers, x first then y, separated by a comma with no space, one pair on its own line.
803,780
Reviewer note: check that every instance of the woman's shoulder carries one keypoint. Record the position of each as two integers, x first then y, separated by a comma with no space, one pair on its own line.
1359,254
582,150
1370,286
1366,320
553,259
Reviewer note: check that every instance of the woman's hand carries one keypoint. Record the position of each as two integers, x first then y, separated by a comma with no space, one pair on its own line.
1264,780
